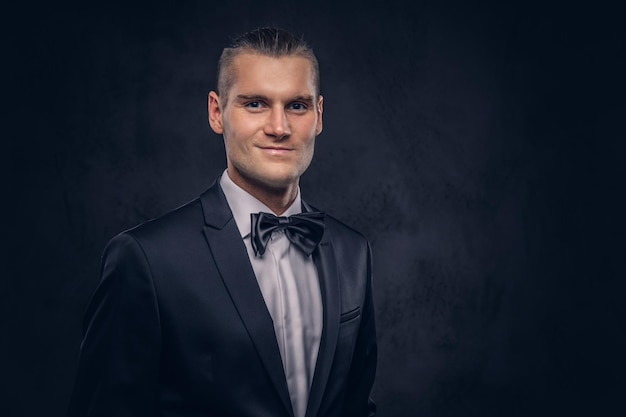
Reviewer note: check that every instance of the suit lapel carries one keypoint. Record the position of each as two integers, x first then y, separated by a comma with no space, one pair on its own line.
325,262
231,258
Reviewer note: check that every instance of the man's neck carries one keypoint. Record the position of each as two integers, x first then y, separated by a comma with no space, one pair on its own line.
277,199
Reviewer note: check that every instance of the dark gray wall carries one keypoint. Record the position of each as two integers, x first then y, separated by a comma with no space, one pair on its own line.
479,148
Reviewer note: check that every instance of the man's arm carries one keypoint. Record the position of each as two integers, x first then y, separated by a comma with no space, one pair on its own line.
357,401
119,356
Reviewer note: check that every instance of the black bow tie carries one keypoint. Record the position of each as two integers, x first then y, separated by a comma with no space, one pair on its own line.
304,230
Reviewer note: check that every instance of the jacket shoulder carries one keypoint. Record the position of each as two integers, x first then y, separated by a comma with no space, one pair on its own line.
341,230
172,225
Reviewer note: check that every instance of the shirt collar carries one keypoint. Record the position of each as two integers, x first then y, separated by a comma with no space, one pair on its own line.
242,204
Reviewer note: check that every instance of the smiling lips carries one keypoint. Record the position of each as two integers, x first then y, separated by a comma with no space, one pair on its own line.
275,150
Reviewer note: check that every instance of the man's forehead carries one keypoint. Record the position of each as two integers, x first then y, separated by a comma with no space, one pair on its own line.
257,71
253,55
247,59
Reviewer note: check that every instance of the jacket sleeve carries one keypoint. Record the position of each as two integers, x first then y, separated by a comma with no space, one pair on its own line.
119,354
357,402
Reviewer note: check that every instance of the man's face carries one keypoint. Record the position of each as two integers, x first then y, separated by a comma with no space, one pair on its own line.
270,121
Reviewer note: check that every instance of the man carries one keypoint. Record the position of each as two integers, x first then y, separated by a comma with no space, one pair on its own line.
217,310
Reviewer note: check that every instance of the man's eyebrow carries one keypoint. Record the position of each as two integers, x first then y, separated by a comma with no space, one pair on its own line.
246,97
303,98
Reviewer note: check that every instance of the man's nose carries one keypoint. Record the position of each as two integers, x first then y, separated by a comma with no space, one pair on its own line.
277,124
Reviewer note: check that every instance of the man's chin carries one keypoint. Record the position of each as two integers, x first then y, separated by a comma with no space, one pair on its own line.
277,176
272,179
278,183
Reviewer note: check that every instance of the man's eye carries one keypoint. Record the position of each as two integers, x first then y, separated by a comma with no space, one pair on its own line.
254,104
298,106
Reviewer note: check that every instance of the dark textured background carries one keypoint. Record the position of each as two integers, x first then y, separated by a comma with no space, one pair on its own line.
480,149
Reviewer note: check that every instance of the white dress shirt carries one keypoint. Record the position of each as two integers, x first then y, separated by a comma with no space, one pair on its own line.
290,286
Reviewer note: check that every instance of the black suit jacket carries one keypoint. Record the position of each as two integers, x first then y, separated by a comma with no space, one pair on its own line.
178,325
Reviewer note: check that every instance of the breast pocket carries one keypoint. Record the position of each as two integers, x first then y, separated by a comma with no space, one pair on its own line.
350,315
349,327
348,330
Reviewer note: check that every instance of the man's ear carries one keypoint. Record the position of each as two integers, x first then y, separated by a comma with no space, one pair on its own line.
215,113
320,110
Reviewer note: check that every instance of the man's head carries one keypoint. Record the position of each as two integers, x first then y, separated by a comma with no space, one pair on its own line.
269,112
270,42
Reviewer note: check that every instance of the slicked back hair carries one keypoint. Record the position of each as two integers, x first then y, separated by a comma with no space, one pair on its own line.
267,41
